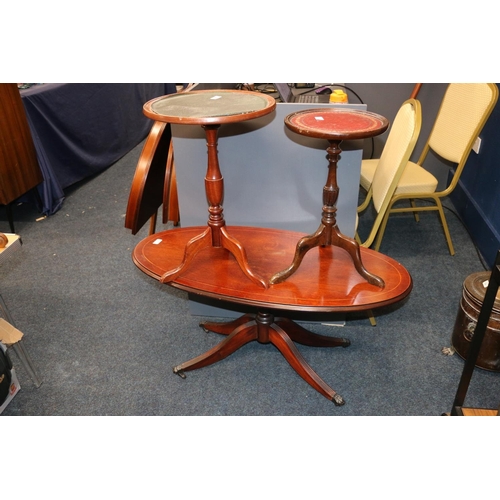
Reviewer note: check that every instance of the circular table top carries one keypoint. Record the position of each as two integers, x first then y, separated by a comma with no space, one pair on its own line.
326,280
209,107
336,124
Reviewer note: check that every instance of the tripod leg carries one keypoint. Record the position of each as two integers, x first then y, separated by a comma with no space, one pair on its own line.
239,253
303,336
230,344
303,246
192,248
228,327
351,246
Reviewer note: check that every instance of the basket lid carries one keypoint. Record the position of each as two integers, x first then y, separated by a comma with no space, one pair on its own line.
476,285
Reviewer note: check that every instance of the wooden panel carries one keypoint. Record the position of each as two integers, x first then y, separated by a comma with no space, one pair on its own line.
19,169
146,193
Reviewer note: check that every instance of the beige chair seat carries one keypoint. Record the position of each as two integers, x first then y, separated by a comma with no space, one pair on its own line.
414,179
461,117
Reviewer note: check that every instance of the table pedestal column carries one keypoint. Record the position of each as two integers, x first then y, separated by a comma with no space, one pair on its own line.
216,234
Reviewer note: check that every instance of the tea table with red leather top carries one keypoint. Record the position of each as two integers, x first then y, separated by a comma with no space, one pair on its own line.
326,282
210,109
334,125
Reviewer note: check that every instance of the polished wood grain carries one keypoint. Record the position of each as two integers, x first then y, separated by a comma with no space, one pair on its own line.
19,168
211,109
147,190
327,281
334,125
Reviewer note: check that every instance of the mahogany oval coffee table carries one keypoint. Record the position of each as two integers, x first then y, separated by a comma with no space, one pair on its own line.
326,282
210,109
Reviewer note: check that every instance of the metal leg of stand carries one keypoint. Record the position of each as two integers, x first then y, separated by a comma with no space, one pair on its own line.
20,350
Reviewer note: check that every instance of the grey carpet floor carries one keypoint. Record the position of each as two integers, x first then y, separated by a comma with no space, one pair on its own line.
104,336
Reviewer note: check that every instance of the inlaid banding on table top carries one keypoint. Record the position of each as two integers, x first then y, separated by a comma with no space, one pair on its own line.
337,123
209,104
325,282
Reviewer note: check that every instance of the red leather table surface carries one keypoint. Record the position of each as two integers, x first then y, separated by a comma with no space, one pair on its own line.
337,123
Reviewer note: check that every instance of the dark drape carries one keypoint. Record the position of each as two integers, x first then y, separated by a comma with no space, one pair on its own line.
80,129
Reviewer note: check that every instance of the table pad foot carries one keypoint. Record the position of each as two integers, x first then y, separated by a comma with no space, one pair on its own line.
338,400
178,371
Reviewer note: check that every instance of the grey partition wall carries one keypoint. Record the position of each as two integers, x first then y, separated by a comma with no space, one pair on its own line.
272,177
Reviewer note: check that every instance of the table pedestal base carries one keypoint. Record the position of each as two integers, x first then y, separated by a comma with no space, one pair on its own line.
217,237
324,236
281,332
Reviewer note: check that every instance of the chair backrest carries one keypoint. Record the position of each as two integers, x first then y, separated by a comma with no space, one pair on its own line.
398,148
461,117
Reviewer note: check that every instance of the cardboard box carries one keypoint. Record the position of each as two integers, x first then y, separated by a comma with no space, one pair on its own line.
9,243
9,334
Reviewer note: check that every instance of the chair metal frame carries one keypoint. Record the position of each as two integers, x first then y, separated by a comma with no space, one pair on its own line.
438,195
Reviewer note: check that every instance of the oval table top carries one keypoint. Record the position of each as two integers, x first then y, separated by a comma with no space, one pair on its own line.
326,280
336,123
209,107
